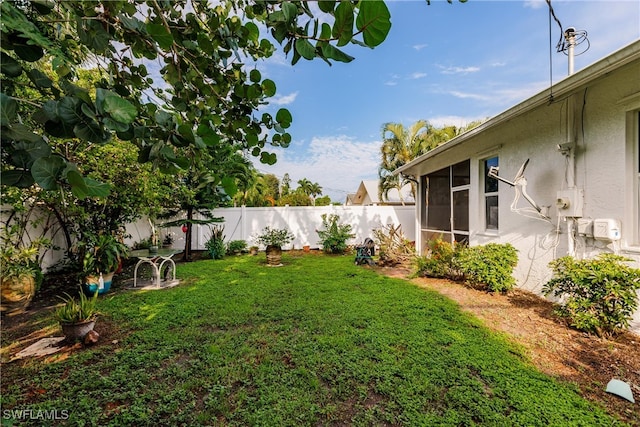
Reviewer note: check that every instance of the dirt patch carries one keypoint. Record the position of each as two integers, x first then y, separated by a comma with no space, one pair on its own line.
553,347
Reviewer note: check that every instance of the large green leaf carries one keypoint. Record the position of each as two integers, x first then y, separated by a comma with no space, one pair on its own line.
90,131
374,20
78,186
268,87
268,158
160,34
332,52
343,26
69,110
20,132
46,171
17,178
119,108
305,49
327,6
48,111
9,66
284,118
36,149
97,188
8,109
39,78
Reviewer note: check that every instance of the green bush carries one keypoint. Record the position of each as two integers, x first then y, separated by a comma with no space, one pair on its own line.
437,262
334,236
215,244
489,266
598,295
236,246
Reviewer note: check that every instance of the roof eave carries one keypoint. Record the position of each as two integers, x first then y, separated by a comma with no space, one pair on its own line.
619,58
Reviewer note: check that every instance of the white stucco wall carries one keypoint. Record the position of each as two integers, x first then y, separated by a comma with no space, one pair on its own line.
605,171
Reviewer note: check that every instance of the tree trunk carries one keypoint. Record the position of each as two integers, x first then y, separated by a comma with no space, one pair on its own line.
186,255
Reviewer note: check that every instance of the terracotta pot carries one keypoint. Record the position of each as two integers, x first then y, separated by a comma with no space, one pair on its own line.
274,255
16,293
306,248
77,331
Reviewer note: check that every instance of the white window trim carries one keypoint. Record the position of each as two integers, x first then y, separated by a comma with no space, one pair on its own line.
483,198
631,230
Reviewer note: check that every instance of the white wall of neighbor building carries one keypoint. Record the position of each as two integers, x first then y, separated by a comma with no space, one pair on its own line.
595,121
246,223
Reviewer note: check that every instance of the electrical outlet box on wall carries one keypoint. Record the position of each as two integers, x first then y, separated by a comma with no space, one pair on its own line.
606,229
585,227
569,202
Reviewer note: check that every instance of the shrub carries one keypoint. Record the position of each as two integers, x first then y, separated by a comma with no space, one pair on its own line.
236,246
438,261
275,237
598,295
395,248
334,236
489,266
215,244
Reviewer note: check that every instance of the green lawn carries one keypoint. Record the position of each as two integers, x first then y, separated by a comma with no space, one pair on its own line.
319,341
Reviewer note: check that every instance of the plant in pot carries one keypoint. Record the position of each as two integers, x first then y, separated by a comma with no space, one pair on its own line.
274,239
21,273
77,317
101,259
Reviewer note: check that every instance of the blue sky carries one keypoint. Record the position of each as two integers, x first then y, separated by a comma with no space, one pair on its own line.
445,63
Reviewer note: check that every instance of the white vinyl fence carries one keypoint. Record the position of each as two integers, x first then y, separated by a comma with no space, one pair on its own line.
245,223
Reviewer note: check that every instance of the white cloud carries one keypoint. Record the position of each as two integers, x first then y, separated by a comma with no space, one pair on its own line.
458,121
338,163
419,47
418,75
469,95
284,99
535,4
458,70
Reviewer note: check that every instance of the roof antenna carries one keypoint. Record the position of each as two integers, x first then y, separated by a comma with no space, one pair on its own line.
519,182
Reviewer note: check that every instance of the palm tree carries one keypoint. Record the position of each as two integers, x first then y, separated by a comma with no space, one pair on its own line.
400,146
315,190
304,186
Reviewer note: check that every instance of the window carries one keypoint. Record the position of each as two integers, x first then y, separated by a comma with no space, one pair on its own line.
446,212
490,196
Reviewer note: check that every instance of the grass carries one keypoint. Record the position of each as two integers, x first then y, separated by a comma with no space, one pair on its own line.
316,342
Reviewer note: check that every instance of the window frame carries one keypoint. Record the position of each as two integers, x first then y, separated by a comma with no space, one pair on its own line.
484,168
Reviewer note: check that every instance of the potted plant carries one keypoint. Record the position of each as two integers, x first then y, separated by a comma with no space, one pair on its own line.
101,259
77,317
273,239
21,273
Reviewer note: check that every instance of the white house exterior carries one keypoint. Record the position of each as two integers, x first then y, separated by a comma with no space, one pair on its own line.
581,140
367,195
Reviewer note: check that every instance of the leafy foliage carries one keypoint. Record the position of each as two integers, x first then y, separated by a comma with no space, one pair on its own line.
274,237
597,295
236,246
437,262
334,236
488,266
208,95
101,253
77,310
215,243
